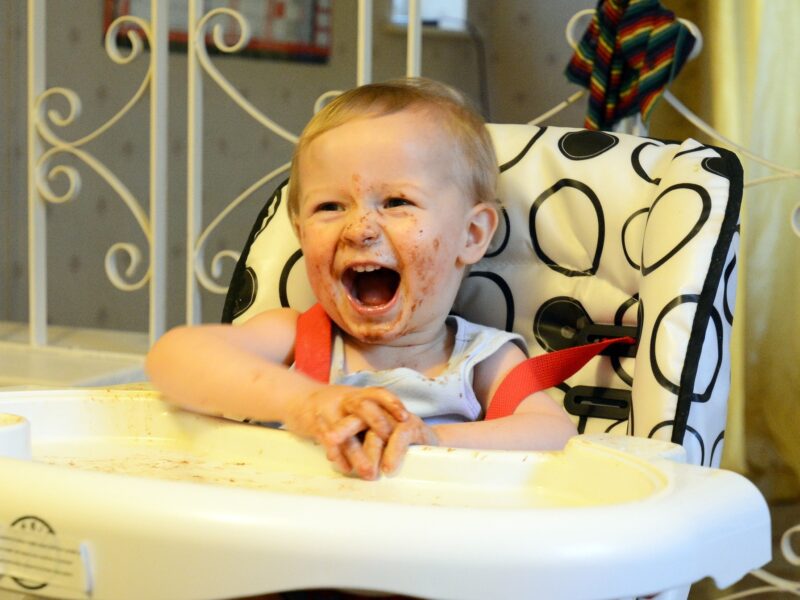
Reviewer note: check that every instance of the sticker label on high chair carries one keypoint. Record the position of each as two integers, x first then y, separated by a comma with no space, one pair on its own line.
34,559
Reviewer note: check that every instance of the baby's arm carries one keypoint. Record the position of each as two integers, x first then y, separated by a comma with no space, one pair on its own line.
243,371
232,370
538,423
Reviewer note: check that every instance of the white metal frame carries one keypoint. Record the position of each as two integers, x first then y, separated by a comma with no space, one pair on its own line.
40,129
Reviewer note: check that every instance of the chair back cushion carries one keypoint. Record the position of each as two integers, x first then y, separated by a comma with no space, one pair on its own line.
601,234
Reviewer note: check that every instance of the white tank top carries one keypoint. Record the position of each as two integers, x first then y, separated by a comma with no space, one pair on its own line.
446,398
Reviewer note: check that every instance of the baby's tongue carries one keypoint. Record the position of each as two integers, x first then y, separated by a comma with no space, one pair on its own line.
376,288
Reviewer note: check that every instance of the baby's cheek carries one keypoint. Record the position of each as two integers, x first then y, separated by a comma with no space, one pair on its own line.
315,274
316,269
427,269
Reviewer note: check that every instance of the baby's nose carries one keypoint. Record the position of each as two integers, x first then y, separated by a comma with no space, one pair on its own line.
362,228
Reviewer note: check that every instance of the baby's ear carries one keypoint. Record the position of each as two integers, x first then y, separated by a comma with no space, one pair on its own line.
481,224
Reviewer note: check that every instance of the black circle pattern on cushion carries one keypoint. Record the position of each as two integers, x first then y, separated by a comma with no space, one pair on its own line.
273,204
690,151
640,214
729,292
691,430
658,373
506,233
558,321
601,227
246,290
715,165
704,197
614,426
507,165
283,283
616,361
582,145
504,289
714,447
705,396
637,165
640,320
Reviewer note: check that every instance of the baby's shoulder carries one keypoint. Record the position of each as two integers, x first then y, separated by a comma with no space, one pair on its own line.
490,372
272,333
483,339
275,317
278,324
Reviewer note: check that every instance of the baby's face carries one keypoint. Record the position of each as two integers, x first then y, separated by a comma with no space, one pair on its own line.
383,224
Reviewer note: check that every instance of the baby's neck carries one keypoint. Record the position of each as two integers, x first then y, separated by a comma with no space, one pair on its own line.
427,352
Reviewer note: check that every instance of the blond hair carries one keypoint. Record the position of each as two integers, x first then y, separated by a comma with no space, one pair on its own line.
472,144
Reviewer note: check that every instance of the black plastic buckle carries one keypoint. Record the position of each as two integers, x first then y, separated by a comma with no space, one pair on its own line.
596,332
598,402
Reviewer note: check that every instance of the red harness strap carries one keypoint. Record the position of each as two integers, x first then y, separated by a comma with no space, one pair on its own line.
312,356
542,372
313,345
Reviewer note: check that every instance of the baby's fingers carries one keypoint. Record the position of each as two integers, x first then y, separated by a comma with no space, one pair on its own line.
344,428
333,452
378,419
373,448
396,449
366,415
414,431
361,463
386,401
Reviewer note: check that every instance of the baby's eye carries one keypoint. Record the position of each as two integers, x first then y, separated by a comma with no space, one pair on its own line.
328,206
396,202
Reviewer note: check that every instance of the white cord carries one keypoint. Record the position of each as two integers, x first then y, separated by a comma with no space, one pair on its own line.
570,30
698,38
558,108
710,131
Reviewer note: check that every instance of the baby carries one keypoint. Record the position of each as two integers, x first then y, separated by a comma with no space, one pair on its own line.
392,196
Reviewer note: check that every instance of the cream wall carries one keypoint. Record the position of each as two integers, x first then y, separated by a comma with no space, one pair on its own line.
526,56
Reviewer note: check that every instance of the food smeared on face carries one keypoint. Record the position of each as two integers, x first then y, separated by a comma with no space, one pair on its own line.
383,221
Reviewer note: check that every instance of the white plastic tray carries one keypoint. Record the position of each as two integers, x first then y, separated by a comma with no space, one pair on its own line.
128,498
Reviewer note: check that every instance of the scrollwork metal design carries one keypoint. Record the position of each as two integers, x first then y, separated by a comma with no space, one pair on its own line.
216,262
228,45
135,259
221,44
45,173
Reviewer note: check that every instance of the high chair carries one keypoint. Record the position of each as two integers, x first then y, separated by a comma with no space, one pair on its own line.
602,234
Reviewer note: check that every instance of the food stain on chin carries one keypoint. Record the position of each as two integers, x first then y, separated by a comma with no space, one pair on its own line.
373,337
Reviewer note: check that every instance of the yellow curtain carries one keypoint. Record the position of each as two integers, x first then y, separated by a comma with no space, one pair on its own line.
753,52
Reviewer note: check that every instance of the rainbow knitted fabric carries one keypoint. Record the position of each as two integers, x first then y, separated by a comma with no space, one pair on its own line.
631,50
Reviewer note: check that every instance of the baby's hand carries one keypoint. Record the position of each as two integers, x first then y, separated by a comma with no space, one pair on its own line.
349,411
411,431
384,452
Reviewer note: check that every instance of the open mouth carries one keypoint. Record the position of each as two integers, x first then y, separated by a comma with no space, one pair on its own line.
371,286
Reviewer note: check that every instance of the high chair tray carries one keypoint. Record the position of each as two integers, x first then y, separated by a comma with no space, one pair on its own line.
126,497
